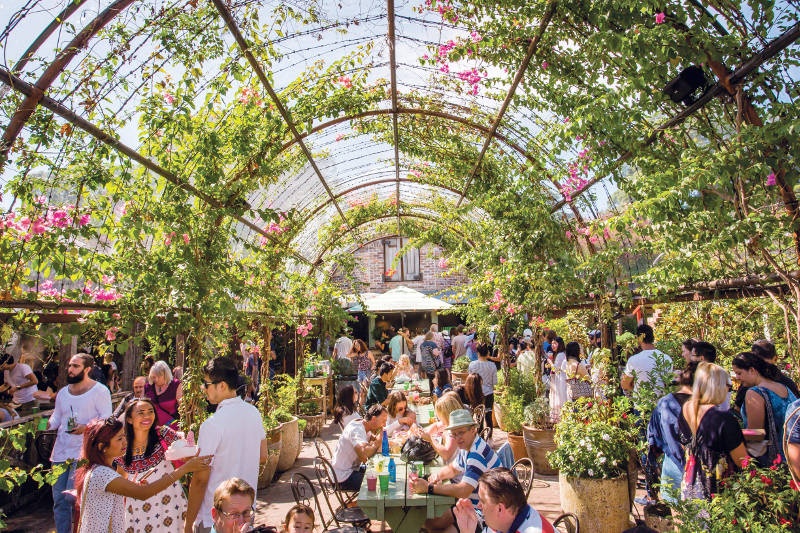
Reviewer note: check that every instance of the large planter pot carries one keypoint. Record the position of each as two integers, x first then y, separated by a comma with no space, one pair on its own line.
290,447
299,443
538,443
600,504
497,415
461,376
517,443
267,470
314,425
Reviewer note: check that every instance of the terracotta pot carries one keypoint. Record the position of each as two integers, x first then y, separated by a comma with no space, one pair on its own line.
290,447
267,470
600,504
538,443
314,425
517,443
461,376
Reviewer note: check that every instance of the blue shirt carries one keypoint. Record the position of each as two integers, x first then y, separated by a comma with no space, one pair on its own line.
779,408
476,461
662,431
793,422
470,344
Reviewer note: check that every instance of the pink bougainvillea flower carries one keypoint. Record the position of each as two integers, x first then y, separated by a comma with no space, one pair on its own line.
84,219
475,36
167,241
503,260
660,17
545,64
39,226
111,333
445,68
41,200
116,316
346,82
606,234
168,98
594,239
568,234
108,280
771,182
443,263
186,238
340,137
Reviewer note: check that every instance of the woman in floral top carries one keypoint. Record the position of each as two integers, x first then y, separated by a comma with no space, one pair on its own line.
147,444
362,359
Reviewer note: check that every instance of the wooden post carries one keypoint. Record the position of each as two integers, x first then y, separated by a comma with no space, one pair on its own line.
180,350
131,359
68,348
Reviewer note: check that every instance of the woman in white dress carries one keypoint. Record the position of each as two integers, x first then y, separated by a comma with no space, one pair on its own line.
146,455
102,490
558,379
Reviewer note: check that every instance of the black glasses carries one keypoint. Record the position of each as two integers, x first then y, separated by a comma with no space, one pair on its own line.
207,384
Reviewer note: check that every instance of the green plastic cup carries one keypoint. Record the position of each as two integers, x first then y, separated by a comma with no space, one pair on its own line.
383,479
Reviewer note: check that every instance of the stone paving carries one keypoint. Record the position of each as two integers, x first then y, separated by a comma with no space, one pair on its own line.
274,501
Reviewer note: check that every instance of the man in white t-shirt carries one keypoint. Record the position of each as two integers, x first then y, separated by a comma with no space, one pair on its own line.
357,443
640,366
20,381
234,435
77,404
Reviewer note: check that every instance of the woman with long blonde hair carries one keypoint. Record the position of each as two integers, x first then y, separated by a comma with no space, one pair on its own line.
711,436
447,447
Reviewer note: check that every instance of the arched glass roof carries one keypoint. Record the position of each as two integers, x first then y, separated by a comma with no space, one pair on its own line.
300,121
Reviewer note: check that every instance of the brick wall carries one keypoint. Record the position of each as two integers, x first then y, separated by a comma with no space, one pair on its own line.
369,270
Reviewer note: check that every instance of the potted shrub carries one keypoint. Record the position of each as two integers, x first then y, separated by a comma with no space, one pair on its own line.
284,397
539,431
459,369
513,417
594,442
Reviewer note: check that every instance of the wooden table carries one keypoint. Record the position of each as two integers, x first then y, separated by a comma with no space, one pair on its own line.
403,510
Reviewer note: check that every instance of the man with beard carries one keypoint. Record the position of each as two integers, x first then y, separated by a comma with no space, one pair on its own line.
81,401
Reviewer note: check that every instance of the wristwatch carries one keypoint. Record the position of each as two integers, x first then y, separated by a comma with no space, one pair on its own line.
430,488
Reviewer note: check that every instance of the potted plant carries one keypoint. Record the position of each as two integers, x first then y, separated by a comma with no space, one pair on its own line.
594,442
539,432
513,418
459,369
284,397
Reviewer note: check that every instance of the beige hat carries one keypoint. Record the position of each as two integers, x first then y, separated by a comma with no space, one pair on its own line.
460,418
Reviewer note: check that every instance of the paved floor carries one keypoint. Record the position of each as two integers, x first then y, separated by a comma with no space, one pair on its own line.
274,501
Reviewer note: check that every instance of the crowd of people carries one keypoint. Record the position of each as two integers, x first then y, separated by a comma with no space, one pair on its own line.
118,473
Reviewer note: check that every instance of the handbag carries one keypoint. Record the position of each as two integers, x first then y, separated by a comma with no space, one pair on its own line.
579,388
416,449
766,450
692,487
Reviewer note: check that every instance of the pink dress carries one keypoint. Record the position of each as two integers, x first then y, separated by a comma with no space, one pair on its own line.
166,403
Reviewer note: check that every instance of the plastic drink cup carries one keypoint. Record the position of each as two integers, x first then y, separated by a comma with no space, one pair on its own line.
383,478
372,481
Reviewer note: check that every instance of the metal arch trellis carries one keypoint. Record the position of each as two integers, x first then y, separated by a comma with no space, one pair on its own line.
532,47
330,245
25,88
744,70
244,46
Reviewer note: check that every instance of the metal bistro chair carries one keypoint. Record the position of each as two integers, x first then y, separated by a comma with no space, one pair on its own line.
304,494
340,513
323,450
479,414
567,522
485,432
523,471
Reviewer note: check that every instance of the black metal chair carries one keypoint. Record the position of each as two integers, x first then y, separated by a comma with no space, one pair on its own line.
485,434
479,414
304,494
336,501
567,522
523,471
323,450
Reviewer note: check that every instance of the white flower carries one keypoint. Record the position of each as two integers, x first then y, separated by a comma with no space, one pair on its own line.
591,472
606,436
602,460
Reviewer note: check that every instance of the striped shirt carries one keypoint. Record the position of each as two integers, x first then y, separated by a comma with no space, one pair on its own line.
476,461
